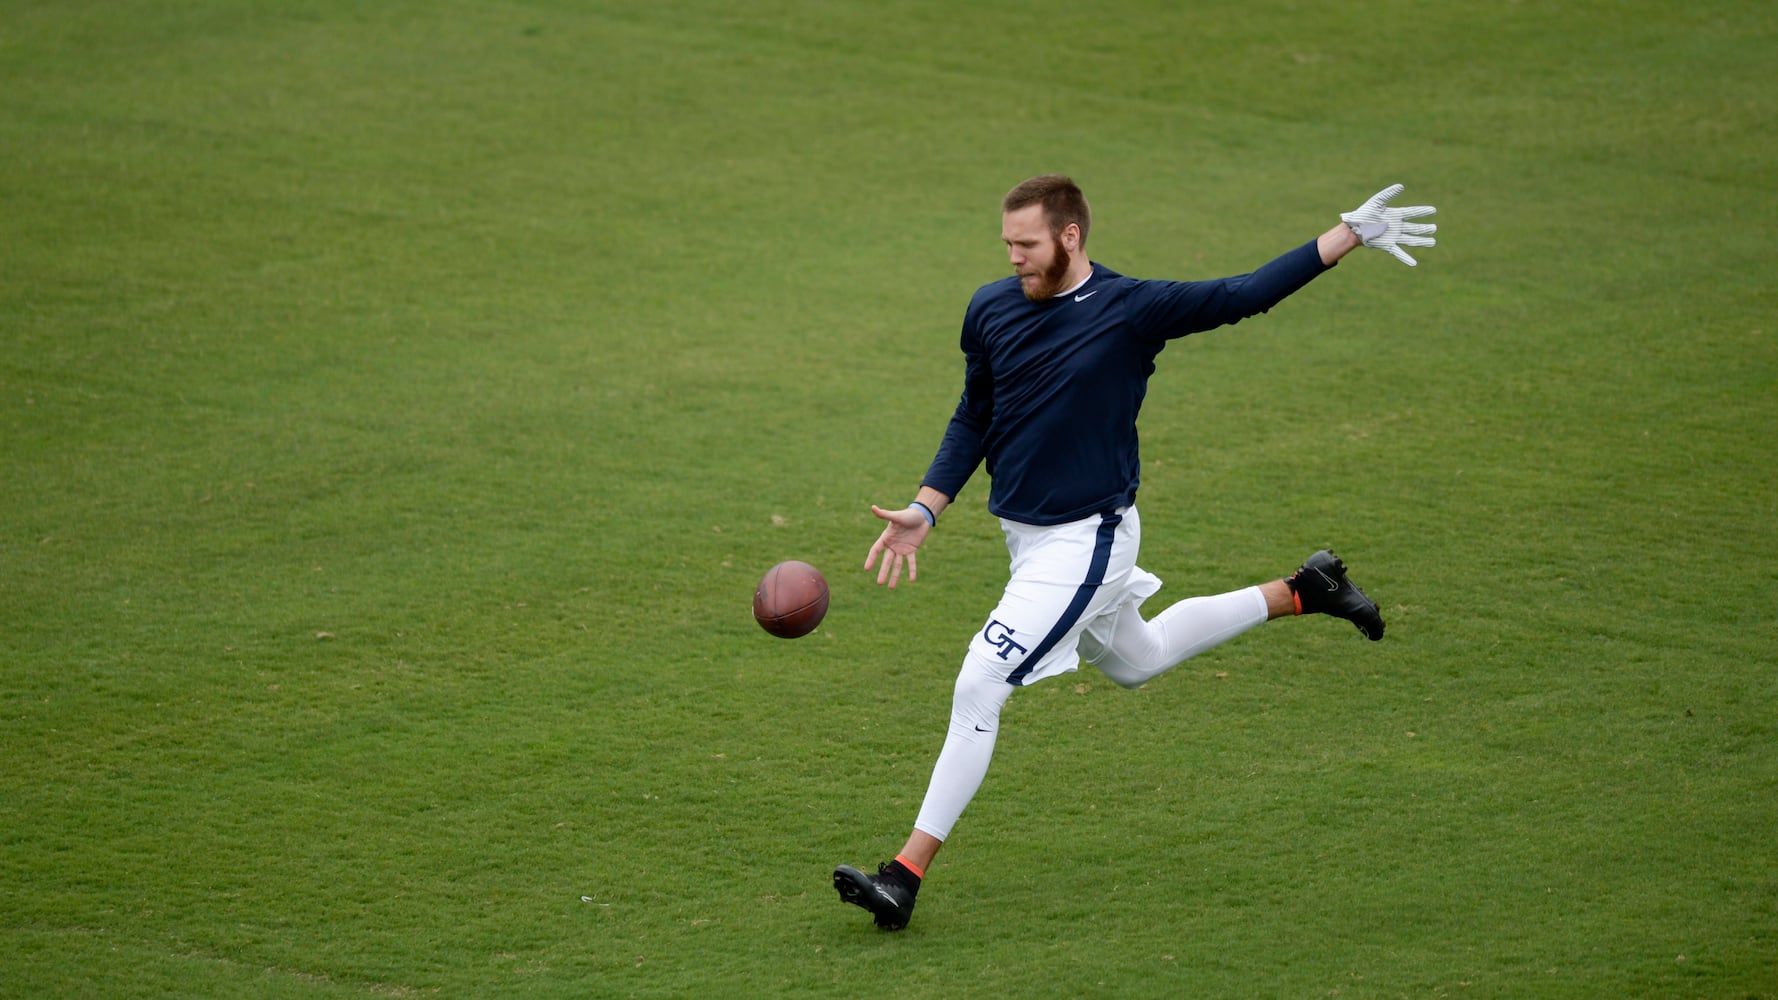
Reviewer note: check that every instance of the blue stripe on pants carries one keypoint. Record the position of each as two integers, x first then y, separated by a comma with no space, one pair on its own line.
1082,597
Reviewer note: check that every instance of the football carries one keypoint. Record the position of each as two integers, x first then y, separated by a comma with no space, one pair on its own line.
791,599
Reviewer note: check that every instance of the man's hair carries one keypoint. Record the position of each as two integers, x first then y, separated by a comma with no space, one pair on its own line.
1061,199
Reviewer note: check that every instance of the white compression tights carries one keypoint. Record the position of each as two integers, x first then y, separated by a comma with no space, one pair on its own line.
1133,652
1138,651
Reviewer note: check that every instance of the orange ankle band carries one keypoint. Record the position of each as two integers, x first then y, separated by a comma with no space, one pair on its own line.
1297,599
919,873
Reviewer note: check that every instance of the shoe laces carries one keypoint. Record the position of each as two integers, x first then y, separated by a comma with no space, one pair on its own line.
887,873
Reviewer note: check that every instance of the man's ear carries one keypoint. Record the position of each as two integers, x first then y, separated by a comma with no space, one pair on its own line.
1071,237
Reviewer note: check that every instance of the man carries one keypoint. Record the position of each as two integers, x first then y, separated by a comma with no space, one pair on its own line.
1057,362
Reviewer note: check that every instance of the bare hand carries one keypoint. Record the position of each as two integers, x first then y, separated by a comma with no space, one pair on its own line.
897,544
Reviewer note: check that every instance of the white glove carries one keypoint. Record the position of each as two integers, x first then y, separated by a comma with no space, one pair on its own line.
1385,228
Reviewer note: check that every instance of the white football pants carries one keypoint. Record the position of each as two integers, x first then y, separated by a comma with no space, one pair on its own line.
1118,641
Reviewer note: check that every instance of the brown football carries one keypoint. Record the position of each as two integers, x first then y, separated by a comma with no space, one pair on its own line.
791,599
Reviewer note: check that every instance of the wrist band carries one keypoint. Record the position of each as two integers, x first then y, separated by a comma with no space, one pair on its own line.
931,518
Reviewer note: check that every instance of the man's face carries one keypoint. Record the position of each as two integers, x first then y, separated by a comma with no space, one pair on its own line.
1037,255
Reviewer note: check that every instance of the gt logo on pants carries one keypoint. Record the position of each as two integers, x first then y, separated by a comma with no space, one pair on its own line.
1000,637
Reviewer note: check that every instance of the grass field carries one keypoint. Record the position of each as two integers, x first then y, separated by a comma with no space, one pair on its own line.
399,402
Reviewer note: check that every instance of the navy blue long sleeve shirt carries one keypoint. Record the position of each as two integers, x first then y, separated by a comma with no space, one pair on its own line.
1052,389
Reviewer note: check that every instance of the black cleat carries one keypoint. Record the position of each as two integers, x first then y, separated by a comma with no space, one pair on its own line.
888,895
1321,586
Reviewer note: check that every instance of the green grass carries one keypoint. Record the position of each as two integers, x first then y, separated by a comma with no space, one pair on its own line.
399,404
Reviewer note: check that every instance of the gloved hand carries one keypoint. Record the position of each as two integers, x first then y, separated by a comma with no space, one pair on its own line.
1385,228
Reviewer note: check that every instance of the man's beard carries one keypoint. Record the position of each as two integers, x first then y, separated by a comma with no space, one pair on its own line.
1049,283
